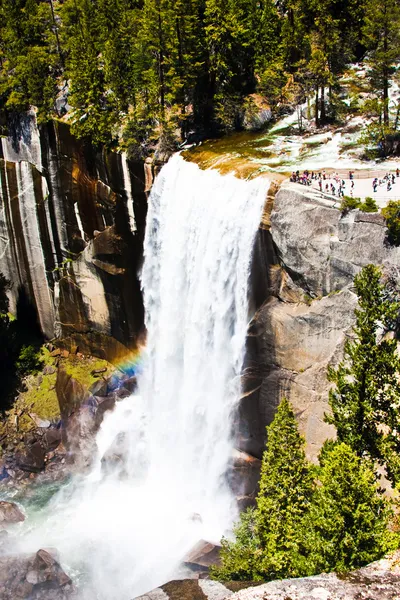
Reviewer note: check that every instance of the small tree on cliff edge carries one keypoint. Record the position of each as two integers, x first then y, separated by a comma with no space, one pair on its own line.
268,538
365,401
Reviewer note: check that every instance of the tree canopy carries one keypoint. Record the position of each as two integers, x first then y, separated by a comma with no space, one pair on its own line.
139,67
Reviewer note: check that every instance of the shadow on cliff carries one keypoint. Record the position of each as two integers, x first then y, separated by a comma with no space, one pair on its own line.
22,332
258,405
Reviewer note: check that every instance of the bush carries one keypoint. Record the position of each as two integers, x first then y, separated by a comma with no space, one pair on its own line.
349,203
392,215
29,361
369,205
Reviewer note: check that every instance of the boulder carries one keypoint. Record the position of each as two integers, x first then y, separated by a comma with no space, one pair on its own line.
10,513
243,475
33,458
99,388
52,438
34,577
203,555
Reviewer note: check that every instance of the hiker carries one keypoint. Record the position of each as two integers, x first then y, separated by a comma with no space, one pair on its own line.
397,172
389,186
393,179
320,185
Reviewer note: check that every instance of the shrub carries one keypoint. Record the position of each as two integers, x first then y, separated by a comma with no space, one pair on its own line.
29,360
349,203
369,205
392,215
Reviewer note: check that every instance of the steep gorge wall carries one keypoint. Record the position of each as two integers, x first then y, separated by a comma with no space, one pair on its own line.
309,255
72,219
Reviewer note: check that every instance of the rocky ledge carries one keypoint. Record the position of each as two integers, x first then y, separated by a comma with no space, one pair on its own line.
377,581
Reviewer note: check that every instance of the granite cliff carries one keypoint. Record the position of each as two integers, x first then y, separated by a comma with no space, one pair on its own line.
71,233
72,223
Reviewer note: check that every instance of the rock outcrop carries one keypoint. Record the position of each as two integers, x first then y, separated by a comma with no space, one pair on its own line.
308,256
71,235
378,581
34,577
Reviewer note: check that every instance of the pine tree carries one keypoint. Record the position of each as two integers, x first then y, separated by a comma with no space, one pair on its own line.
286,489
382,37
365,401
269,541
349,517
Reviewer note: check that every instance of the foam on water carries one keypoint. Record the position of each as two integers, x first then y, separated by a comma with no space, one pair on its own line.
126,529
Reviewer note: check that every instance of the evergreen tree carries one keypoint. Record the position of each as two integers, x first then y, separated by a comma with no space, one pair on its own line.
365,401
268,541
286,489
349,517
382,37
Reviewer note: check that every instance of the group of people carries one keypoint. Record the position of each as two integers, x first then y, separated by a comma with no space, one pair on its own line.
333,184
388,180
328,183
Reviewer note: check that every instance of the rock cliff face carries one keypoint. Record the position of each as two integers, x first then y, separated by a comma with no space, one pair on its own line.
300,328
72,220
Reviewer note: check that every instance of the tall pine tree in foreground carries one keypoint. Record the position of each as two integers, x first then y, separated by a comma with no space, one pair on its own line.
268,544
365,401
349,517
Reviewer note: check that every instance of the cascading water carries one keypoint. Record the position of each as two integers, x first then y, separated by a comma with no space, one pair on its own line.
130,525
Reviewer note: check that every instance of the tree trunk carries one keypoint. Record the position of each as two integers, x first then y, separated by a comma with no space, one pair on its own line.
161,62
56,33
385,74
316,108
323,113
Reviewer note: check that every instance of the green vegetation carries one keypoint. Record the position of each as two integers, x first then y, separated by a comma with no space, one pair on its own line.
348,203
334,516
366,394
81,370
391,212
308,519
140,71
349,517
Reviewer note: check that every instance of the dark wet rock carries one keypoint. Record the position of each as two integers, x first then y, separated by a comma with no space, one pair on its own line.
130,384
52,438
99,388
122,393
203,554
10,513
33,458
243,474
34,577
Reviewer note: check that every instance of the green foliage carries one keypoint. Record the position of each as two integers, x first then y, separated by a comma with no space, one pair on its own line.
349,517
369,205
349,203
29,360
133,66
308,519
268,544
391,212
366,393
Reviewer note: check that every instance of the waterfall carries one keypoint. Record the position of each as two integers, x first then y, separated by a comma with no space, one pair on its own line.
131,524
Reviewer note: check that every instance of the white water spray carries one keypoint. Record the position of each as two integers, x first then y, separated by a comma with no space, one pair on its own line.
131,527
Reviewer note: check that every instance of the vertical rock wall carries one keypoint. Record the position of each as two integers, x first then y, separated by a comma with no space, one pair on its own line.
72,220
